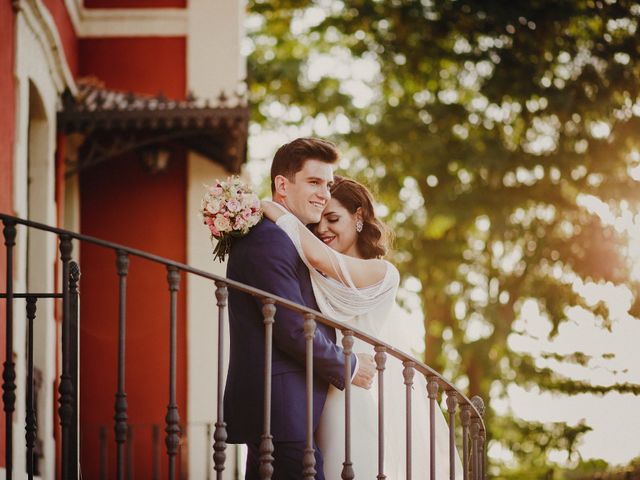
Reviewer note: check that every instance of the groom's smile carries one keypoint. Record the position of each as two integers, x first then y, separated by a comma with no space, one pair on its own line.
307,195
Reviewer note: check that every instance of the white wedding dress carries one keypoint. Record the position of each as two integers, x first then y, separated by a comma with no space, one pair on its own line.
371,310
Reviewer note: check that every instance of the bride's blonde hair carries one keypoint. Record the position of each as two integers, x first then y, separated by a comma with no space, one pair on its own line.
373,241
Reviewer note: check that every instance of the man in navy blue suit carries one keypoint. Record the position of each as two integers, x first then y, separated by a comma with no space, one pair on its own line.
301,174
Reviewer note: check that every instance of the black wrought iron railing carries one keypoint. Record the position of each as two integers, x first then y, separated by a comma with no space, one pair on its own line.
472,430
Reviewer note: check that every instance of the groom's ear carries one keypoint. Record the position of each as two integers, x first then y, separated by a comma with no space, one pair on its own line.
280,185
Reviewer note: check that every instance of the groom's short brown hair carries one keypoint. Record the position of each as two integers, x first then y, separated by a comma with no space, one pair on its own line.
290,157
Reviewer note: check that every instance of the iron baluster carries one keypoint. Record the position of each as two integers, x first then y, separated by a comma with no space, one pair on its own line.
309,460
9,372
120,407
483,439
66,410
155,453
381,360
475,435
104,454
31,427
432,389
478,403
220,434
172,419
408,374
465,419
74,360
266,442
130,455
347,466
452,404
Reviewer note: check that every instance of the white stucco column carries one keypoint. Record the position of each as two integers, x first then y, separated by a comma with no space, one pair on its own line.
214,59
41,73
214,64
202,323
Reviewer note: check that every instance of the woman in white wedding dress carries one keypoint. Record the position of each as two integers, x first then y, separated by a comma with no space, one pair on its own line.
353,284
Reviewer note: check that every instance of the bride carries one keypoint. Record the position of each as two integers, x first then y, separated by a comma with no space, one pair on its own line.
352,283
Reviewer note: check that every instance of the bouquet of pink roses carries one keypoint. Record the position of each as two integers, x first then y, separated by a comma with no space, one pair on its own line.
229,209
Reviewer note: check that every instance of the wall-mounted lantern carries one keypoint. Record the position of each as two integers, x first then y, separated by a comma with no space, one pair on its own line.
155,160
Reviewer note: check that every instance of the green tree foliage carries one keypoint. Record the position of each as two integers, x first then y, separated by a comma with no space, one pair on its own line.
487,124
530,441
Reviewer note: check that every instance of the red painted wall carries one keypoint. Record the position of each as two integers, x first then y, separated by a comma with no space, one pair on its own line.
7,105
67,34
122,203
7,132
135,3
143,65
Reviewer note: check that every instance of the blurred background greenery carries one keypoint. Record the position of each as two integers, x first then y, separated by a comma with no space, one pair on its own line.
502,140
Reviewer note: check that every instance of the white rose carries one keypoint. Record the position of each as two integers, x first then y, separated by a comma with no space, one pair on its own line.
240,223
222,223
214,206
253,220
233,205
249,201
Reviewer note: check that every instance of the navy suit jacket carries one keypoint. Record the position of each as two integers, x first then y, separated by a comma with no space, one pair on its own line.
267,259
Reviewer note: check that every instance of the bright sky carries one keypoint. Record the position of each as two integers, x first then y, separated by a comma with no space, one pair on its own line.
613,417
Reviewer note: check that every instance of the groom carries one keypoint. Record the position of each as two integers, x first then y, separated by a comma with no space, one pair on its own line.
301,174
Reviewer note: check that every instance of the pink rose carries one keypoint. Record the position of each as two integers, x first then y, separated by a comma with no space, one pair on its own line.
214,230
233,205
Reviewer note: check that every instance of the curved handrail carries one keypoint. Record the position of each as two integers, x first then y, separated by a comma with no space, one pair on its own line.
426,370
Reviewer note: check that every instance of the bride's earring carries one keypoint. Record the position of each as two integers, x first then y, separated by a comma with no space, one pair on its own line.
359,226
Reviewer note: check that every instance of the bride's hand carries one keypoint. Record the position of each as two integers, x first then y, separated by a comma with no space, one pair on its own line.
271,210
366,371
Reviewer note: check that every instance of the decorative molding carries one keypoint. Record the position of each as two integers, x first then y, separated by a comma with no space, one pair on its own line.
74,7
127,22
40,22
139,22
